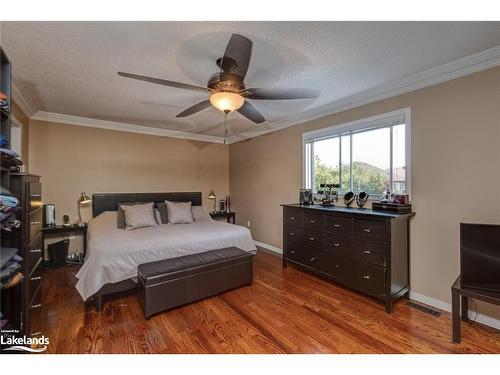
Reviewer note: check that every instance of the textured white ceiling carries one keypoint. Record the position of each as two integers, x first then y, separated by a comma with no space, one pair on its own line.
70,67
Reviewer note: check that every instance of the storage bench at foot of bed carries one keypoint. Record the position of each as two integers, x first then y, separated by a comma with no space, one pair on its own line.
174,282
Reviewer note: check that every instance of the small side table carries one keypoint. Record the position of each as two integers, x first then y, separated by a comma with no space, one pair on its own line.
460,301
68,229
230,216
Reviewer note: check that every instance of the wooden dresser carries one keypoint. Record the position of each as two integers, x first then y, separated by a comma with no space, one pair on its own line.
362,249
28,190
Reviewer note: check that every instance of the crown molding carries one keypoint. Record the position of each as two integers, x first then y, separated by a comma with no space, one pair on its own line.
21,97
119,126
458,68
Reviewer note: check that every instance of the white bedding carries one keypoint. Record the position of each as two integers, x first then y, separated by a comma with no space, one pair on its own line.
113,254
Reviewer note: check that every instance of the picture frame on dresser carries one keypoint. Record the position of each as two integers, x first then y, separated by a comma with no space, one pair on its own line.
362,249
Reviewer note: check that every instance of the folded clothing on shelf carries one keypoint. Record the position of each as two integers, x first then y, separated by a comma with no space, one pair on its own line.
9,270
9,152
6,254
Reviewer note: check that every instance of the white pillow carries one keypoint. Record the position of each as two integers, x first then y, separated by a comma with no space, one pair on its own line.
200,213
179,212
139,216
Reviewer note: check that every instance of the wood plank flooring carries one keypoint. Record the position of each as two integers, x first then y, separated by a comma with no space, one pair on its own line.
283,311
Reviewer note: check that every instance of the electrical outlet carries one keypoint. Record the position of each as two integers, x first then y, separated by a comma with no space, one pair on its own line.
248,224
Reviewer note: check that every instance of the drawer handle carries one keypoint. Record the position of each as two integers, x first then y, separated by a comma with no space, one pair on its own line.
292,218
313,259
367,230
36,306
311,238
336,225
36,278
337,266
336,244
292,234
367,252
312,221
292,251
36,251
367,277
36,195
36,223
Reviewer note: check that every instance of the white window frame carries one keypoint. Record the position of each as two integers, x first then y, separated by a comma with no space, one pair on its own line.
400,116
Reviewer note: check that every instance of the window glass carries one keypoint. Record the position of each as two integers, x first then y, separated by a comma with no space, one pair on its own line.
326,162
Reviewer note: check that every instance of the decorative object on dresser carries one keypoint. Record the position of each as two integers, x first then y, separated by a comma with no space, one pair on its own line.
362,198
229,216
29,240
331,195
360,248
349,198
306,197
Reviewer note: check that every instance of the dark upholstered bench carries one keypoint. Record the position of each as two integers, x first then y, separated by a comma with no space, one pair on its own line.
174,282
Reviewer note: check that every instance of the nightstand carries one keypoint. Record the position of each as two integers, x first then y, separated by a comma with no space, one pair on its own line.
58,229
230,216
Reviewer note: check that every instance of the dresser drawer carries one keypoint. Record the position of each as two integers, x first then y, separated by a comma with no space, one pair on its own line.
371,230
313,221
34,224
34,252
338,267
369,278
293,217
312,239
337,245
341,226
313,258
369,252
34,281
33,195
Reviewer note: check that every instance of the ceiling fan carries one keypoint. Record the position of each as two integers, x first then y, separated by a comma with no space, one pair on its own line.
227,89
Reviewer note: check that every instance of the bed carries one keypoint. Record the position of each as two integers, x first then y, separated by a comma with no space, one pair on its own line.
113,254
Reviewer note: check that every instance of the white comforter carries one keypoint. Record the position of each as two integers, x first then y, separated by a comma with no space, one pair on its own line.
113,254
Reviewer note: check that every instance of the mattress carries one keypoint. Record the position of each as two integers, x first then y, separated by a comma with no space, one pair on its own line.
113,254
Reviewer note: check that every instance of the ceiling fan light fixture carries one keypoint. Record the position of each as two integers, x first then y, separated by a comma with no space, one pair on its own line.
227,101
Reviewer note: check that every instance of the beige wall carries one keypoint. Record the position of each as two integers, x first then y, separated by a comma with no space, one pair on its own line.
72,159
455,157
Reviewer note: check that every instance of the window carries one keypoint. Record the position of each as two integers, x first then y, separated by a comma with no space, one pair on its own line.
370,155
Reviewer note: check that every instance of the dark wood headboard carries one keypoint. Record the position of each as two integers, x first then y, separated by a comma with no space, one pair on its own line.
109,201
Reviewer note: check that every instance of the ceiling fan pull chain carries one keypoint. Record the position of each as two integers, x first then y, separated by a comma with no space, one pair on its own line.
225,128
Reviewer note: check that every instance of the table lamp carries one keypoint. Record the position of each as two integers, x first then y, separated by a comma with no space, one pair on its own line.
212,195
83,200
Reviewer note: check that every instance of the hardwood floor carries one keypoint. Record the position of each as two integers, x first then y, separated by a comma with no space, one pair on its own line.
284,311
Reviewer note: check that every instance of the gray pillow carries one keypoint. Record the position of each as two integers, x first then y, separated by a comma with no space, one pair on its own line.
179,212
200,214
120,215
139,216
162,207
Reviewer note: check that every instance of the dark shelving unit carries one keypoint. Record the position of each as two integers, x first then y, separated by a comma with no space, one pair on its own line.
11,298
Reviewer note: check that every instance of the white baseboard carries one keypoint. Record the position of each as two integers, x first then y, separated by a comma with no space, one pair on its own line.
269,247
483,319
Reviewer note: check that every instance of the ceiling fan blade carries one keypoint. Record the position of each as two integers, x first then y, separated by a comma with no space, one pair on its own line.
237,56
195,108
280,94
251,113
163,82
